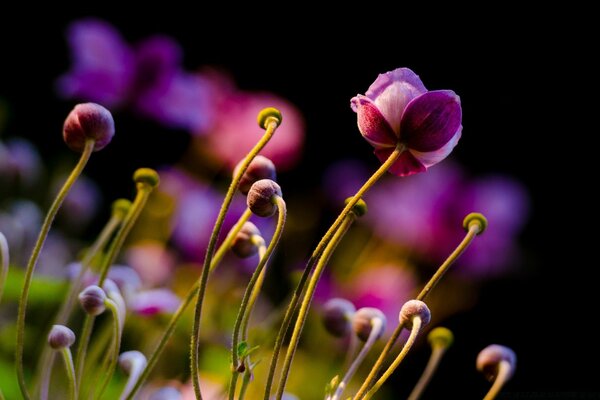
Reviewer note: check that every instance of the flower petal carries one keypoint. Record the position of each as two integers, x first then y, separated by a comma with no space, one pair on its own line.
406,164
372,124
431,120
430,158
392,91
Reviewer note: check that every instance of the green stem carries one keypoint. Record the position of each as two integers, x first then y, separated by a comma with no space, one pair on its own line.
504,370
377,326
203,280
313,259
464,244
47,357
143,192
245,307
307,300
117,329
4,257
184,305
262,250
85,156
66,353
414,332
432,364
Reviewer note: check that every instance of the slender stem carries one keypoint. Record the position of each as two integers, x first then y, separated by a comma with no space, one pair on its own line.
504,370
376,328
117,329
203,280
245,383
220,253
436,356
143,192
464,244
307,300
85,156
99,347
47,357
262,251
66,353
245,306
313,259
4,257
414,332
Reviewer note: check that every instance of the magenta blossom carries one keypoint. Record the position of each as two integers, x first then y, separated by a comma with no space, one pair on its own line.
397,111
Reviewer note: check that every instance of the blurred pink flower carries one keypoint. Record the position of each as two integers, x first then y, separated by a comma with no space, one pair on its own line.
152,261
235,130
397,109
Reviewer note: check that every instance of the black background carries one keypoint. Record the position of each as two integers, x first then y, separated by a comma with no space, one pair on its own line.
523,88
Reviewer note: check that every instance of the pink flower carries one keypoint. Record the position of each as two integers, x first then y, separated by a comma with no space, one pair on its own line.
398,110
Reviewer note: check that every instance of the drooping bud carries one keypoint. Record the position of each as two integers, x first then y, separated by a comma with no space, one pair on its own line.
268,114
360,208
440,338
261,197
477,219
337,316
243,246
146,176
362,322
488,360
260,168
88,121
92,300
414,308
60,337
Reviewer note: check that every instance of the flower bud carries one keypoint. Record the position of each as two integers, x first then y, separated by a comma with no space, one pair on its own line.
242,245
440,337
268,114
60,337
475,218
362,322
88,121
146,176
92,300
414,308
488,360
260,168
132,361
360,208
261,197
121,207
337,316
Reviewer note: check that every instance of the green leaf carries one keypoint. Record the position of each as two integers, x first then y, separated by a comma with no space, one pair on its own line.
242,349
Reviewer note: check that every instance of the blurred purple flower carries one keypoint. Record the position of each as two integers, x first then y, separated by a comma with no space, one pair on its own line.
147,77
398,109
235,131
152,261
343,179
82,203
20,162
153,301
425,214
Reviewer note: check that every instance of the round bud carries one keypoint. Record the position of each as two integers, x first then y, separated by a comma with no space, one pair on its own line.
88,121
147,176
243,245
92,300
121,207
337,316
260,168
440,337
360,208
475,219
260,197
488,360
60,337
414,308
131,361
166,393
362,323
268,114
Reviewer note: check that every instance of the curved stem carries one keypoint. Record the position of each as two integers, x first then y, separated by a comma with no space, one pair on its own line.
141,197
414,332
376,328
436,356
220,253
504,370
47,357
464,244
4,257
313,259
203,280
245,307
66,353
117,329
307,300
35,254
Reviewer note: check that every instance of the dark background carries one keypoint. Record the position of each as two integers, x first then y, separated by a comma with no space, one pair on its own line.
522,82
